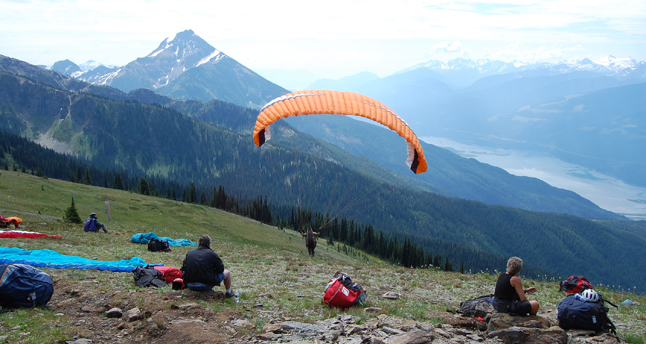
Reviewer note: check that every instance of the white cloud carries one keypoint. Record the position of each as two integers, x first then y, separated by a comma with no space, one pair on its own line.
448,47
390,31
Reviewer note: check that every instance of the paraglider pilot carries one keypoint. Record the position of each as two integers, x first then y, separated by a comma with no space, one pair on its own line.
92,224
310,240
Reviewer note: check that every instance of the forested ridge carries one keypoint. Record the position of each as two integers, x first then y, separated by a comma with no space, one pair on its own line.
168,148
20,154
448,174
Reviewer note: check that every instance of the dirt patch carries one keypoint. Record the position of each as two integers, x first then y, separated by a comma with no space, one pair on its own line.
180,317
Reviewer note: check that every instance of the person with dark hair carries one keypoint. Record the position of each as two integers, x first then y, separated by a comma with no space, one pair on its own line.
509,295
92,224
203,269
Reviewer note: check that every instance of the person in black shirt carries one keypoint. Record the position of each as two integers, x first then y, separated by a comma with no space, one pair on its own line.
203,269
509,296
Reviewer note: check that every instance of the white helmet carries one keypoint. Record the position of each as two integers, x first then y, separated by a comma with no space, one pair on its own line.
590,295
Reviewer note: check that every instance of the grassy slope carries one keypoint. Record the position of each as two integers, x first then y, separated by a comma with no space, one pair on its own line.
269,266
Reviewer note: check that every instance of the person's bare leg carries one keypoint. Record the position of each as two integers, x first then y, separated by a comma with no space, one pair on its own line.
227,279
535,307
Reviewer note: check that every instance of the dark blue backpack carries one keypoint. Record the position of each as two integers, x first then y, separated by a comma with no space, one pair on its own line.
90,225
24,286
584,315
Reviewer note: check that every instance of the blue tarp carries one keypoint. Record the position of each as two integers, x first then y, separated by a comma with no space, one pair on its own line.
52,259
141,238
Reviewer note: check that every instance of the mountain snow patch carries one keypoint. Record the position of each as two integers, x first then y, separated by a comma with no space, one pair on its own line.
208,58
156,52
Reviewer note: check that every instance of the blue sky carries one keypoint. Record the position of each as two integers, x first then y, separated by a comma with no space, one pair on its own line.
333,38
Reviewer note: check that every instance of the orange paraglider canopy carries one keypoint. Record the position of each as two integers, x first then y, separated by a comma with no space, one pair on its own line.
319,102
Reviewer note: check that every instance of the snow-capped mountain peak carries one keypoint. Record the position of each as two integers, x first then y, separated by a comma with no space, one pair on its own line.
608,65
164,64
186,49
615,63
89,65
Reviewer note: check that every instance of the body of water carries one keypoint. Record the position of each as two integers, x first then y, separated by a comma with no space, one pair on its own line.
607,192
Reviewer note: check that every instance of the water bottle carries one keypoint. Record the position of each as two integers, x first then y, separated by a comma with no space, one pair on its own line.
236,296
579,297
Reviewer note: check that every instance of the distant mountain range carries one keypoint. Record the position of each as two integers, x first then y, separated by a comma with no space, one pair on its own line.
463,72
586,113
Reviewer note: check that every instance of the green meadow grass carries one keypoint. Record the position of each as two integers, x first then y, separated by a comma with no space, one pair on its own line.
270,267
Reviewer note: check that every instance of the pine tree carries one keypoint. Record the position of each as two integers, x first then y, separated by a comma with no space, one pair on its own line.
71,214
221,201
192,194
437,261
214,199
87,179
118,184
448,266
144,187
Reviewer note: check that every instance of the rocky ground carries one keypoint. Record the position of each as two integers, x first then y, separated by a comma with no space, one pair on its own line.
280,286
163,315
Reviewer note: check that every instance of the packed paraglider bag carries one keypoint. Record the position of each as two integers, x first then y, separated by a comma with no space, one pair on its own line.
24,286
148,277
342,293
169,273
477,307
585,311
574,284
155,245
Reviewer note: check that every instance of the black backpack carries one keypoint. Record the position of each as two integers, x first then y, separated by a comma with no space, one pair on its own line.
155,245
478,307
584,315
148,277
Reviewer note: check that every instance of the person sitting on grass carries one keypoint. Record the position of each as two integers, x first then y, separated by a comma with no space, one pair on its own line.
203,269
509,295
92,224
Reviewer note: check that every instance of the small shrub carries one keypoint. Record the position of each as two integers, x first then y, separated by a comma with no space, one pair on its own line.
71,214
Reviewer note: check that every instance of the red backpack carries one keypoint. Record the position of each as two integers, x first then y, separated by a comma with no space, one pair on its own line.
342,293
169,273
574,284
